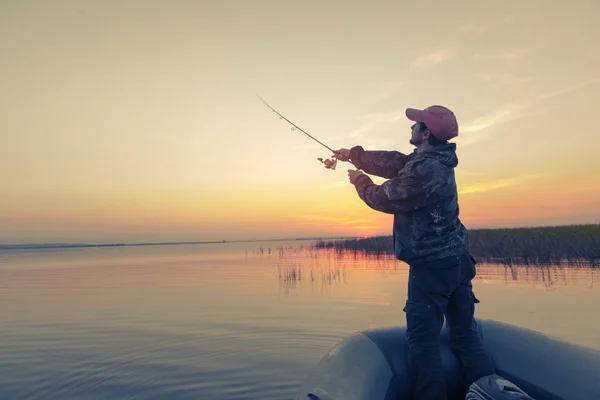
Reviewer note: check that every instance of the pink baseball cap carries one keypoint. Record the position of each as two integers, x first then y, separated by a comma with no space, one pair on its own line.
440,121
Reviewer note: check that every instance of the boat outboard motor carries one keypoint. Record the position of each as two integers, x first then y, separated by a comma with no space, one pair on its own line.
495,387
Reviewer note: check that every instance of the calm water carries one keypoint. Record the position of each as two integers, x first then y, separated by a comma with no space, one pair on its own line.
228,321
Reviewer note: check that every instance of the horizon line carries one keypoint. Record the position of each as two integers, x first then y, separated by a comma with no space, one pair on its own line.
47,245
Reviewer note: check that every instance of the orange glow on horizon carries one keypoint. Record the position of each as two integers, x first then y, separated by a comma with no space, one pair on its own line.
127,137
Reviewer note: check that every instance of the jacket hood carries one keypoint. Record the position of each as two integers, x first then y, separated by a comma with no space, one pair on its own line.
445,154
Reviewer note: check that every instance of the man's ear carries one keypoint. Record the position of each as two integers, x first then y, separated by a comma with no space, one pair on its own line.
426,134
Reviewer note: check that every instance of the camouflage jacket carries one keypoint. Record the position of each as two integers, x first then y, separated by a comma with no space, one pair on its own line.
421,194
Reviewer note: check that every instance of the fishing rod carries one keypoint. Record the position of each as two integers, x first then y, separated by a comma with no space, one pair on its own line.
330,164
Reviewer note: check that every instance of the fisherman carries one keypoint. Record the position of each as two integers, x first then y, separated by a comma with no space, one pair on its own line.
428,235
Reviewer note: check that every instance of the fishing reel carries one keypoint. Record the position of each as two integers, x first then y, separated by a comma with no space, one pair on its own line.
329,163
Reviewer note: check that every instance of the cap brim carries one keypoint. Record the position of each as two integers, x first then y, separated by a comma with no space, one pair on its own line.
415,114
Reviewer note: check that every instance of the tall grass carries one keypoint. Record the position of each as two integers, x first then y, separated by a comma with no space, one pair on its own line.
570,245
296,266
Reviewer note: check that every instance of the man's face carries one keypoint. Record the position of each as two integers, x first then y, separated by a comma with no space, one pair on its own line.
416,137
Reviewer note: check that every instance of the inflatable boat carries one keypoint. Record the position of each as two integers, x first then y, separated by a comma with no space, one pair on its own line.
373,365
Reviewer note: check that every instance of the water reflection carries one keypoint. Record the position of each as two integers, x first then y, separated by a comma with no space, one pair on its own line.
106,322
298,266
322,268
547,276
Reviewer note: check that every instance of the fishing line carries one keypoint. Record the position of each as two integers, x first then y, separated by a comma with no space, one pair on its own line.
331,164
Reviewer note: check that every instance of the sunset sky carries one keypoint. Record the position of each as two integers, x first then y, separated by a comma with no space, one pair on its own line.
134,121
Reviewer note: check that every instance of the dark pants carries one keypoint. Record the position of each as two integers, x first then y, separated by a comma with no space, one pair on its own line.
437,289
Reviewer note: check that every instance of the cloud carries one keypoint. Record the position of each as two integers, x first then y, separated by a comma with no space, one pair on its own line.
505,113
520,50
426,60
499,184
568,89
442,54
337,220
366,227
312,145
374,120
473,131
518,109
473,28
433,58
389,89
322,221
508,55
501,79
370,123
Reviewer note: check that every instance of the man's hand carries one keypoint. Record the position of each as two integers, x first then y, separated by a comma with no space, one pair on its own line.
353,174
342,154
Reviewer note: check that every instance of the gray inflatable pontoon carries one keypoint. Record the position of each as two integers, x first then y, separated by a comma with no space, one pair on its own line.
372,365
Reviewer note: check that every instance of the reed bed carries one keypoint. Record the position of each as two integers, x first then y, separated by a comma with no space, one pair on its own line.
572,245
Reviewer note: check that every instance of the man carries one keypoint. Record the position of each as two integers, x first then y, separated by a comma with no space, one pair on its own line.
429,236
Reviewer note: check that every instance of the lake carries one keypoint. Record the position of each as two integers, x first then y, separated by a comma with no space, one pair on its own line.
230,320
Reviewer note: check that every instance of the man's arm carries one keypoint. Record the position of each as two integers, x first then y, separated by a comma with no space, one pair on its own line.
403,193
385,164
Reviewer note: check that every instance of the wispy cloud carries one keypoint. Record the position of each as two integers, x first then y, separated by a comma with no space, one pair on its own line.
507,55
448,51
323,221
371,122
472,131
337,220
499,184
365,227
505,113
473,28
433,58
512,111
568,89
501,79
312,145
515,52
389,89
426,60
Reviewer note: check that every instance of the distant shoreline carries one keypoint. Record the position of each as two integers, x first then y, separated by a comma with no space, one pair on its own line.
573,244
33,246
